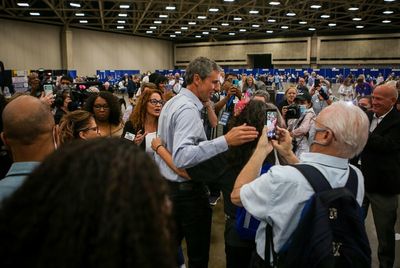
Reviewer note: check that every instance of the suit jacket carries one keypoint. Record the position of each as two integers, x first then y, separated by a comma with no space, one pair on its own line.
380,159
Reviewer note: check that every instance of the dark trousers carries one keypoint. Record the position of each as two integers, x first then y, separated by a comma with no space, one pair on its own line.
238,257
384,212
192,214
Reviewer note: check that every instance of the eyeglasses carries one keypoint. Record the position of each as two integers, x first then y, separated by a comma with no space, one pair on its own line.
98,107
325,128
96,128
155,102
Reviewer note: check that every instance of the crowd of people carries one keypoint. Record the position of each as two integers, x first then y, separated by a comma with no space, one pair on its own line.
86,183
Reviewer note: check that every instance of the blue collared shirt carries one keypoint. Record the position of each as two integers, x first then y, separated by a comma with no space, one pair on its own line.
181,129
278,196
15,177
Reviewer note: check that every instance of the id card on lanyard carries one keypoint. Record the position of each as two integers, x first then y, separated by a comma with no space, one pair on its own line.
226,115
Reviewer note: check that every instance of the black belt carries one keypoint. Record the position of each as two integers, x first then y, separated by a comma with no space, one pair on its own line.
184,186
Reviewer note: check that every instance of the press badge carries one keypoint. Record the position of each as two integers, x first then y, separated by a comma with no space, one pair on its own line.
224,118
129,136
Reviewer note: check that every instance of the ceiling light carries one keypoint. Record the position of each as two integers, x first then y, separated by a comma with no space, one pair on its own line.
242,30
192,23
201,17
290,14
255,25
153,27
75,5
388,12
225,24
157,22
34,13
198,36
123,6
359,26
178,32
386,21
122,15
149,32
254,11
315,6
205,33
172,35
271,20
23,4
120,27
229,0
353,8
284,27
332,24
184,28
325,16
83,21
231,33
357,19
170,8
302,22
80,14
214,29
163,16
389,0
311,29
213,9
121,21
237,18
274,3
269,31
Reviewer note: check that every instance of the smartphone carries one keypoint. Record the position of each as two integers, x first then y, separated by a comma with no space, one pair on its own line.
317,82
235,82
48,89
270,122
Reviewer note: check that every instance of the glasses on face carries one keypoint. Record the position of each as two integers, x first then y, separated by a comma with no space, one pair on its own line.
96,129
99,107
324,128
155,102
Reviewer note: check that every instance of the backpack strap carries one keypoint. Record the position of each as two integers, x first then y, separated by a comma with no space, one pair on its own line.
314,177
352,182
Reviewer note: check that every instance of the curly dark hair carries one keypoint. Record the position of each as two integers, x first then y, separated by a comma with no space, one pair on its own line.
112,101
81,208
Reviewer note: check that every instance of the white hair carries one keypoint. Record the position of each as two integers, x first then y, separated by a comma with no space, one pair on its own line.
350,126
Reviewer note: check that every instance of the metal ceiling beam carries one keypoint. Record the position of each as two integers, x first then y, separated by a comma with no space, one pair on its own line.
143,14
54,10
101,10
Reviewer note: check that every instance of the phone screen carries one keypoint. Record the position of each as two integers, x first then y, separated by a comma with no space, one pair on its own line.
272,118
235,82
48,89
317,82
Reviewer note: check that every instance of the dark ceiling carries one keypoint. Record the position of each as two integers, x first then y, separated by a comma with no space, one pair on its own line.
222,19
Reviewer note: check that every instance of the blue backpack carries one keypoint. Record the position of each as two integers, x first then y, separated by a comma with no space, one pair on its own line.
331,231
246,225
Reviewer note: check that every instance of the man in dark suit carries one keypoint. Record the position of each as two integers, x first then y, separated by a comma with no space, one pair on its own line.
380,164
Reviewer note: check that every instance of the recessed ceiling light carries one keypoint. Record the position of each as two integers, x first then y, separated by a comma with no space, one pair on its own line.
311,29
80,14
255,25
359,26
290,14
75,5
23,4
388,12
225,24
121,21
271,20
192,23
122,15
242,30
83,21
198,36
149,32
163,16
205,33
178,32
284,27
172,35
315,6
184,28
357,19
269,31
254,11
157,22
123,6
386,21
332,24
229,0
153,27
325,16
214,29
120,27
213,9
34,13
353,8
302,22
170,8
237,18
201,17
274,3
231,33
389,0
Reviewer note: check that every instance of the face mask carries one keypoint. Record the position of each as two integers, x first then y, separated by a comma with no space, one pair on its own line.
303,109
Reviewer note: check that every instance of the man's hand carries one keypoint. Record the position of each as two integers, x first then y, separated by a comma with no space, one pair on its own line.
47,99
284,145
240,135
264,145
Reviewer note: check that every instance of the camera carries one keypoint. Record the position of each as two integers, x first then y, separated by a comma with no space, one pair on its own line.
293,111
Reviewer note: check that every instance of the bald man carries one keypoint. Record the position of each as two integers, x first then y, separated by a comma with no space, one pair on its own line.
29,133
380,164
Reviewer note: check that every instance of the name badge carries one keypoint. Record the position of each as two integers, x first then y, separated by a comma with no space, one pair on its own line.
129,136
224,118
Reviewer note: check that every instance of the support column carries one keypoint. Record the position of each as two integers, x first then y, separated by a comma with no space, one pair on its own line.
314,50
66,49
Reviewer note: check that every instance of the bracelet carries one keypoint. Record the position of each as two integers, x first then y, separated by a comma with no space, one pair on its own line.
158,146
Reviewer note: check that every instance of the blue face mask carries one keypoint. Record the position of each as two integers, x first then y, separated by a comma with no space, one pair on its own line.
303,109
